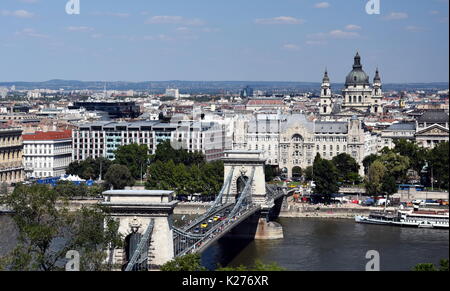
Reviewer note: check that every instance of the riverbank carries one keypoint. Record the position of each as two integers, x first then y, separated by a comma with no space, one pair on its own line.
339,211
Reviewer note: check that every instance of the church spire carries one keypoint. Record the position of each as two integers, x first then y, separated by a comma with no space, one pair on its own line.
377,78
357,63
326,79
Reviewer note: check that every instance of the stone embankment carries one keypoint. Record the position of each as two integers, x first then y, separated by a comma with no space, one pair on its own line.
344,211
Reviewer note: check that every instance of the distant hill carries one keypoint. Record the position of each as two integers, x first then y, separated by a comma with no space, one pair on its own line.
200,86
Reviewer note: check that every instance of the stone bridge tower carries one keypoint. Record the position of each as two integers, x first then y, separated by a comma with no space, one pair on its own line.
242,164
134,209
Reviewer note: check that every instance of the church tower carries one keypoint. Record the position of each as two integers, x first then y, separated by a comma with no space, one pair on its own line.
377,95
326,103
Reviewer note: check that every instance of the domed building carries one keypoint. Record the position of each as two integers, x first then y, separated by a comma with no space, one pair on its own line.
359,96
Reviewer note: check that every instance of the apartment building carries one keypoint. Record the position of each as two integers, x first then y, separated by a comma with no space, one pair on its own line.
102,139
47,154
11,147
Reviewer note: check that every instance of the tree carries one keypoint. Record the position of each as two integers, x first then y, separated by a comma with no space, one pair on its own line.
271,172
258,266
165,152
374,179
119,177
347,168
135,157
326,178
439,164
187,263
429,267
70,190
416,154
297,172
89,168
309,174
388,185
396,165
48,231
367,162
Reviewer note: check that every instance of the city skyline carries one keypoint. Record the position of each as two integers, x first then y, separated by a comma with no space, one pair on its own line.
252,41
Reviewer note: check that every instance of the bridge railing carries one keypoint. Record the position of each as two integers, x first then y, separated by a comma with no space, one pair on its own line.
242,206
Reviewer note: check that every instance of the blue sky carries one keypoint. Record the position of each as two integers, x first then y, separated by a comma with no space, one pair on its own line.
251,40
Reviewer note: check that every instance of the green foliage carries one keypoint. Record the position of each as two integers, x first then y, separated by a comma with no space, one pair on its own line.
165,153
309,174
439,163
429,267
374,180
70,190
347,168
325,178
89,168
135,157
186,173
416,154
271,172
47,230
187,263
396,165
258,267
367,162
118,176
388,185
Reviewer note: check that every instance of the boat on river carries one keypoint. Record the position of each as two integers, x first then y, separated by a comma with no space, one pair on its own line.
408,218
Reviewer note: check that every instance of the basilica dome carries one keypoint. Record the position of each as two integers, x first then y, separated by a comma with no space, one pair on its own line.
357,76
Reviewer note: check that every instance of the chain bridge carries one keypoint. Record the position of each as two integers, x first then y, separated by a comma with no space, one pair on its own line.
146,216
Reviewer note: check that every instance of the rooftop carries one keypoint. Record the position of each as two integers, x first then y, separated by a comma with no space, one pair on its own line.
50,135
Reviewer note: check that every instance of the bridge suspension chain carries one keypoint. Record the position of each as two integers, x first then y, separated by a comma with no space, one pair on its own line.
141,253
217,203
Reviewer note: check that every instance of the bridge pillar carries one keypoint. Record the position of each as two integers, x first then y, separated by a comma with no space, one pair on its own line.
242,164
134,209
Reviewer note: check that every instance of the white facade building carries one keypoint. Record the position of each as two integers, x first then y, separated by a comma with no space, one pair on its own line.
47,154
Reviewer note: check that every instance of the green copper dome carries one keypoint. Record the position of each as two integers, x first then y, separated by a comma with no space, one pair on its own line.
357,76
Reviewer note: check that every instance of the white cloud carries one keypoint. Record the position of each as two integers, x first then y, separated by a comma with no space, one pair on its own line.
316,42
179,20
30,32
17,13
334,34
79,28
353,27
280,20
322,5
291,47
396,16
413,28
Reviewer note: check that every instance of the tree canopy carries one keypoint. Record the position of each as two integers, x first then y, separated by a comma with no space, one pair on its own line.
325,178
47,231
118,176
135,157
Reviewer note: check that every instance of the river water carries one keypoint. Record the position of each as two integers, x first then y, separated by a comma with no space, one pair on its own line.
311,244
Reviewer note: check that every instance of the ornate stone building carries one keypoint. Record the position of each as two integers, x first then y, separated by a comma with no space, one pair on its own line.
11,166
291,141
359,97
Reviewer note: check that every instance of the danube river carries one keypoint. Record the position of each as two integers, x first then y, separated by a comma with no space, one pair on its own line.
312,244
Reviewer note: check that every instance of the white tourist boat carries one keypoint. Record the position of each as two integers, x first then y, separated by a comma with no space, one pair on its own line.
408,218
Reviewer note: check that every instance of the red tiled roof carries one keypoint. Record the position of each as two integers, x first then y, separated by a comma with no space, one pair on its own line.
50,135
265,102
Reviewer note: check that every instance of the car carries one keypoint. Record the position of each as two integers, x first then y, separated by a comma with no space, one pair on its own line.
197,230
216,218
204,225
210,221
